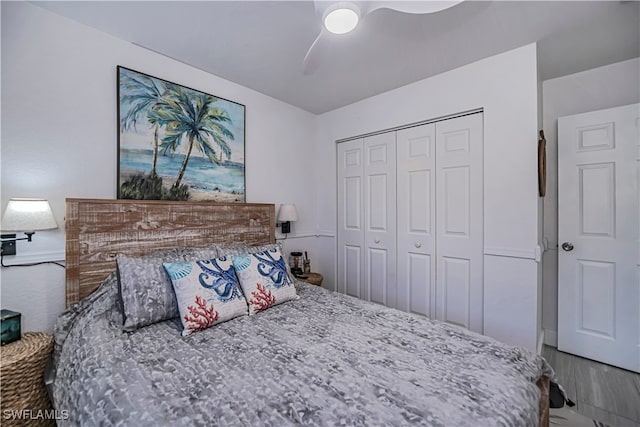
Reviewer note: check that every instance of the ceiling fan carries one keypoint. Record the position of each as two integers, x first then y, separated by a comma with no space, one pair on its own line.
341,17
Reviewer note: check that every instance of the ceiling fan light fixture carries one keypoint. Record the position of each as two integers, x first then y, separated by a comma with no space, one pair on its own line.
341,20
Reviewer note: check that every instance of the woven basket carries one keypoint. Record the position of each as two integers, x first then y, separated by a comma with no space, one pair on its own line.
22,386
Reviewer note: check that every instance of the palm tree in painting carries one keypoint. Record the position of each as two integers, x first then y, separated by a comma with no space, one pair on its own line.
190,116
144,94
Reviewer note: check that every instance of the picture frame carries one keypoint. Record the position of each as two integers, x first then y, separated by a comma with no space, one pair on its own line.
178,143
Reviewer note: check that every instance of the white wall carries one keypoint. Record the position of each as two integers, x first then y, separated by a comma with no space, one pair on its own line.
604,87
506,87
59,139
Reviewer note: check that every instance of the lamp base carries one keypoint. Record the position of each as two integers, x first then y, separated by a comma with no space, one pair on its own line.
8,247
286,227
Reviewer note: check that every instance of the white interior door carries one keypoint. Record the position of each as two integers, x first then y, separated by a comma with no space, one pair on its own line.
459,221
380,219
416,218
350,217
599,226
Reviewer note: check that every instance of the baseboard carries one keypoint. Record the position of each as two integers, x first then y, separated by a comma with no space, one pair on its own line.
551,337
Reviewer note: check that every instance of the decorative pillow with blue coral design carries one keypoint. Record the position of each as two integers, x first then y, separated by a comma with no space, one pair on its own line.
264,279
240,249
207,292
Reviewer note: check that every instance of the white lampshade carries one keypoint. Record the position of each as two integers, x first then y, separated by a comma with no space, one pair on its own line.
287,213
28,215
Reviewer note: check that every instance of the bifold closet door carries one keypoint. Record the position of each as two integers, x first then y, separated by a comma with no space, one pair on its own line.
416,216
410,220
380,219
350,218
459,221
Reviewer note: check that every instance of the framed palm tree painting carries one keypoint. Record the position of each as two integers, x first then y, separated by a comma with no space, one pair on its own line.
177,143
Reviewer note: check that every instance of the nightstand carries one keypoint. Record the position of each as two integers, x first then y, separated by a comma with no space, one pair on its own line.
313,278
22,389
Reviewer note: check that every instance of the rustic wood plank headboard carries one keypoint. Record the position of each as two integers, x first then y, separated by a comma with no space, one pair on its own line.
98,229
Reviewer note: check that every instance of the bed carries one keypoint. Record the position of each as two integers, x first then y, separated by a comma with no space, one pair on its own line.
320,359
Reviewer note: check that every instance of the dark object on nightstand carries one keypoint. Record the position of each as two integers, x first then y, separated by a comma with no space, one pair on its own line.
296,260
9,326
22,377
313,278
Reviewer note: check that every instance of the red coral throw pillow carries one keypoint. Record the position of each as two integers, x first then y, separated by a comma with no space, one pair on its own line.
200,315
264,279
207,292
261,298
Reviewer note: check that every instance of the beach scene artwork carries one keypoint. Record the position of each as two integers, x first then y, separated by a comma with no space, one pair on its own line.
177,143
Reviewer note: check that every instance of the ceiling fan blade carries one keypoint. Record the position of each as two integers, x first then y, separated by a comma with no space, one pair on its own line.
318,49
418,7
316,53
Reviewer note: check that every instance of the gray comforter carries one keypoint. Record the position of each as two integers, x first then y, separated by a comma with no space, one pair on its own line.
325,359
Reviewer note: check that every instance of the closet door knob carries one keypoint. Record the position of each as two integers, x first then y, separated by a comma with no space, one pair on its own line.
567,246
418,245
376,240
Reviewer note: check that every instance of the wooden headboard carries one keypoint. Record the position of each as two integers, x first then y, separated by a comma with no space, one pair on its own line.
97,230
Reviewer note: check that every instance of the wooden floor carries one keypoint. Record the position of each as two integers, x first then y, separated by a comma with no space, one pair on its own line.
601,392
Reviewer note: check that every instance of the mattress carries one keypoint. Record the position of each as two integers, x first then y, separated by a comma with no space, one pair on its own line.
324,359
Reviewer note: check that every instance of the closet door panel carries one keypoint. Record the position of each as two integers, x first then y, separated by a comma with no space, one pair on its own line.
380,219
455,281
377,197
416,219
420,278
459,236
456,210
350,217
351,267
377,274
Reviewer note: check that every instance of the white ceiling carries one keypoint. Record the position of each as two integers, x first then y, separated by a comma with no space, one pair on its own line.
261,44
